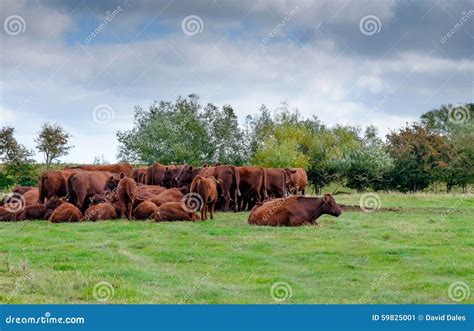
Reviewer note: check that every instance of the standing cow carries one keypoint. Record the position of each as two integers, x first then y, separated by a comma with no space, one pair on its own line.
83,185
298,180
206,188
126,194
277,182
252,186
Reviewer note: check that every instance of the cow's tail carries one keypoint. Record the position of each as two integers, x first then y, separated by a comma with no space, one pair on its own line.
41,196
195,184
263,189
236,172
285,188
69,188
149,175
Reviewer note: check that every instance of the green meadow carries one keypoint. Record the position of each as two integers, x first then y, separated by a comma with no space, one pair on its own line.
409,251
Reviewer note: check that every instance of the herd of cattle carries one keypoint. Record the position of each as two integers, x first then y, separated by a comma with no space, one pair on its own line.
274,196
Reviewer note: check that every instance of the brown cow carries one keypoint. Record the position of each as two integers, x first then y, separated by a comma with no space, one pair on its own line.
53,183
155,174
144,210
174,211
66,212
22,189
298,180
16,202
33,212
118,168
227,175
206,188
126,194
253,186
293,211
277,182
147,190
139,175
100,211
186,175
170,174
169,195
84,184
6,214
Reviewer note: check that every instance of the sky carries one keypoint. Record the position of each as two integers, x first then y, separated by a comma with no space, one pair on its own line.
86,64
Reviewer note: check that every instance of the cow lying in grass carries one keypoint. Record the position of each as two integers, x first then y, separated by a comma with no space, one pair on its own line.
63,211
293,211
174,211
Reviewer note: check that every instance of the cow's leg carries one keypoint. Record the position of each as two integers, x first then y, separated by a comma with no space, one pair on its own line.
129,209
298,221
213,205
236,197
226,194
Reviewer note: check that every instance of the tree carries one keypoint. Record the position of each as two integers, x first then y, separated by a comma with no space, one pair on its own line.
17,158
279,141
183,132
225,134
367,166
327,147
419,157
53,142
10,150
456,126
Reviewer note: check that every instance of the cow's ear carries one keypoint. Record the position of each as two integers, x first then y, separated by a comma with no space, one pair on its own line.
293,171
327,198
122,175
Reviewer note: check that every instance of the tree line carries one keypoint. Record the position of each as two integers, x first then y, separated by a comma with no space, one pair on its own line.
436,149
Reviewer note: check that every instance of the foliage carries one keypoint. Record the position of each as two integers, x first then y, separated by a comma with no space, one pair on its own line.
53,142
366,166
19,167
420,156
182,132
10,150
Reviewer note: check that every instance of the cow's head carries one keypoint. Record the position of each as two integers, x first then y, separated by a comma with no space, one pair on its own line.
111,183
96,199
169,175
289,182
330,206
54,202
185,176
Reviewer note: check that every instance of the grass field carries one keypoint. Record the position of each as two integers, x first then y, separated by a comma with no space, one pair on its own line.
407,256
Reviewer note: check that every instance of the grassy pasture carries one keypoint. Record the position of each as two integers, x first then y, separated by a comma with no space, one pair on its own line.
406,256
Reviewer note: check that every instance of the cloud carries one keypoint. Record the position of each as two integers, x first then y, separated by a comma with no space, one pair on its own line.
319,61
